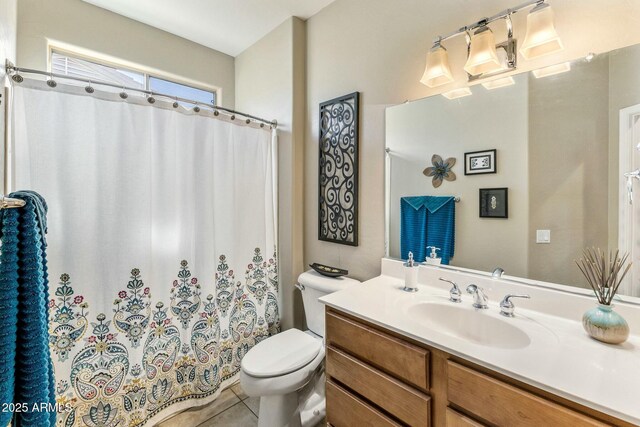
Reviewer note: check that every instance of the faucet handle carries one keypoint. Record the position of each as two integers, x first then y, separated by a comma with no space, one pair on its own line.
506,305
455,295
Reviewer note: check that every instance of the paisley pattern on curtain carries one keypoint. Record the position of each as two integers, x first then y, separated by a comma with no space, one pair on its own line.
129,364
161,249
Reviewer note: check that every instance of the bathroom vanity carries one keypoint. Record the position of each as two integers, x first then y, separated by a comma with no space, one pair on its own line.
418,359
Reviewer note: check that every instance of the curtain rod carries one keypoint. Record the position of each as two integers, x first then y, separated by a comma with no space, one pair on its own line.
14,72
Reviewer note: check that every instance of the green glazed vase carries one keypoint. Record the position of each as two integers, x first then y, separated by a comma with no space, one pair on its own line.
604,324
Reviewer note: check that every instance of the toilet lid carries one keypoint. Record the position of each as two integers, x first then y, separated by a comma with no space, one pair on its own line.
281,354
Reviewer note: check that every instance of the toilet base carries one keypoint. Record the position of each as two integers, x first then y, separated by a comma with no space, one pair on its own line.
279,411
302,408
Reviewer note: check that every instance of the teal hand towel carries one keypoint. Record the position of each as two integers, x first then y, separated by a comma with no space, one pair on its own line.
427,221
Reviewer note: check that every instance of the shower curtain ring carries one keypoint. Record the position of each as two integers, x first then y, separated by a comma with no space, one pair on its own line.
17,78
233,117
175,103
196,109
150,98
216,112
123,94
88,88
51,82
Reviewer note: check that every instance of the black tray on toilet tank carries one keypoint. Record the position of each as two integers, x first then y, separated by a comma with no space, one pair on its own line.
328,271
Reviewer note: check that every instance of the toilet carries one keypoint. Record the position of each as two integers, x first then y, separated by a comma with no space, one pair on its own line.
286,370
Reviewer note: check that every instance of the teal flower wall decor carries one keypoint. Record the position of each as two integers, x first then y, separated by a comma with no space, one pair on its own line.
440,170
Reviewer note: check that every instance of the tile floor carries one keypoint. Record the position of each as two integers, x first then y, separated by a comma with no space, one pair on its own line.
232,408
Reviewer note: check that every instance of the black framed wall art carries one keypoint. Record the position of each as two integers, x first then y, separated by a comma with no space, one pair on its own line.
480,162
338,170
494,203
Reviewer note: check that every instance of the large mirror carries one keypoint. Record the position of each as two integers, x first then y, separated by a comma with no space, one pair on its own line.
563,142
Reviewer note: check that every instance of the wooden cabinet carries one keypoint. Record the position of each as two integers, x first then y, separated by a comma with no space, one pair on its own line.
397,357
346,409
456,419
398,399
378,378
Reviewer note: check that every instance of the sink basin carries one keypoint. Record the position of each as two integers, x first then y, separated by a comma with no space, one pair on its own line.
466,323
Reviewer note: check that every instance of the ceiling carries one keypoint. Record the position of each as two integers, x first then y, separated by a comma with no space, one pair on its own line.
229,26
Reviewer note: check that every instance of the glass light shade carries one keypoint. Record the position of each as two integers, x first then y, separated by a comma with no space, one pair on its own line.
552,70
483,57
437,71
542,37
457,93
498,83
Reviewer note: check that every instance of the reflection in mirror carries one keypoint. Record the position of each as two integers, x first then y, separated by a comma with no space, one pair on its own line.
565,142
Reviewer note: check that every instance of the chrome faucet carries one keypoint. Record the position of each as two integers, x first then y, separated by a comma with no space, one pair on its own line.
454,293
507,307
480,299
497,273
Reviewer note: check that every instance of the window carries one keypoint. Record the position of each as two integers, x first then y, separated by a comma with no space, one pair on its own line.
62,63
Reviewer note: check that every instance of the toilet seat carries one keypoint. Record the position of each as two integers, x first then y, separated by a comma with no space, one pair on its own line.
281,354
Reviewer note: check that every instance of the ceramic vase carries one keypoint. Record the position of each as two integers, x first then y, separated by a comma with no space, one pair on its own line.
604,324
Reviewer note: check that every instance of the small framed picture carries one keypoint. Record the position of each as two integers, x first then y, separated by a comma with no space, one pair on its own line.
494,203
480,162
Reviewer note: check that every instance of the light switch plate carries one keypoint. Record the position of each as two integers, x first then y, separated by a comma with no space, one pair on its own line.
543,236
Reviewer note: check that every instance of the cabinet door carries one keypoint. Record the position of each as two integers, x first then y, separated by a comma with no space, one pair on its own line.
456,419
346,410
401,359
505,405
401,401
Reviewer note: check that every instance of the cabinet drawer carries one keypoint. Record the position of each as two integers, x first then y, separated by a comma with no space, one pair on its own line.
405,361
456,419
400,400
344,409
503,404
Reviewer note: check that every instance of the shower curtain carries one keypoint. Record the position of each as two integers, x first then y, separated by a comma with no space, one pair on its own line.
162,248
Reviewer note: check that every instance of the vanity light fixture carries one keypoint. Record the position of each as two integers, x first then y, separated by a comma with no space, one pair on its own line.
438,71
552,70
542,37
498,83
457,93
485,58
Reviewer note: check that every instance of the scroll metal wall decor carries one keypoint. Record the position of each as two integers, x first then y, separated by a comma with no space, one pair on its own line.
338,170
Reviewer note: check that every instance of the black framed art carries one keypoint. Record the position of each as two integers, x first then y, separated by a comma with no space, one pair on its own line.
338,170
480,162
494,203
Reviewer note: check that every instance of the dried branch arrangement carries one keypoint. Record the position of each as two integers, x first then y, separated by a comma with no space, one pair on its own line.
603,273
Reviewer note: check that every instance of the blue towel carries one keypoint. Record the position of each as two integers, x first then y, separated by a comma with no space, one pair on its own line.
26,368
427,221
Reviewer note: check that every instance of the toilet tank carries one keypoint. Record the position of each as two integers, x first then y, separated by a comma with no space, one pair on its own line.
315,286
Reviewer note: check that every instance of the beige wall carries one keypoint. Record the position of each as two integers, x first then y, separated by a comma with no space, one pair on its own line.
378,47
569,161
8,15
270,80
624,91
91,28
436,125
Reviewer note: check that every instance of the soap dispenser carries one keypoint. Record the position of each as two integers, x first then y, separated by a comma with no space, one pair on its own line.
410,275
433,258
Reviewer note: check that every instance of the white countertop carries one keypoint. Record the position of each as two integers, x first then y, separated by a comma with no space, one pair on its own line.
560,358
